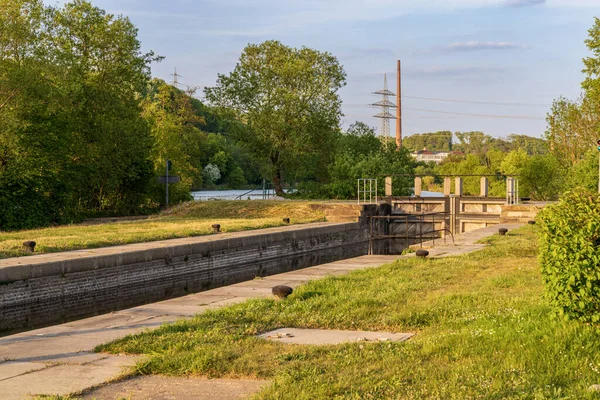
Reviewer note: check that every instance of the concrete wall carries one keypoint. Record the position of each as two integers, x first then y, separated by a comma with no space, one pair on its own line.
42,290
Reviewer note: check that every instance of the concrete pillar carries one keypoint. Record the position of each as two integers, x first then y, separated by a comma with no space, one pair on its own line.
483,186
418,185
458,186
447,186
388,185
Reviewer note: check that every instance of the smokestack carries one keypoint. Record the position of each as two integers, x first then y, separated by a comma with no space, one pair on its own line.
399,109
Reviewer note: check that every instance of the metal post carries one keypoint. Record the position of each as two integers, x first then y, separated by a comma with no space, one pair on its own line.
167,185
406,229
433,230
421,229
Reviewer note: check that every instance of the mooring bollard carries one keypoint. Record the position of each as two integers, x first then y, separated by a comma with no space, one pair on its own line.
421,253
286,220
29,246
502,231
281,291
531,222
216,228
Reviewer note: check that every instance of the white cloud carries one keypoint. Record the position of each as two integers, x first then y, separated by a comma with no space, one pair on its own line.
474,45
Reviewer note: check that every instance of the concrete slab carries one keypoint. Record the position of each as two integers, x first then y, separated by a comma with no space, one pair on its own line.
58,380
327,337
196,299
160,387
15,368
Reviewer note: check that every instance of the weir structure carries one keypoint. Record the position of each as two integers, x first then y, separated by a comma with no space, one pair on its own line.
403,221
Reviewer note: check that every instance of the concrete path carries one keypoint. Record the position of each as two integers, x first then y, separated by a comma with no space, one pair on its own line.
162,388
59,359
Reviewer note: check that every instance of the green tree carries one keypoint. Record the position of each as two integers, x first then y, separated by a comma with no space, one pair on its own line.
533,146
288,99
174,127
359,139
71,136
542,177
436,141
572,128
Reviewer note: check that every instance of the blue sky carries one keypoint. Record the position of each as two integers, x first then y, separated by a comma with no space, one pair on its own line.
522,52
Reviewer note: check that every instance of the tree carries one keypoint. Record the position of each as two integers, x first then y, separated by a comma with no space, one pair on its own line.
572,128
436,141
173,124
72,139
533,146
288,99
359,139
542,177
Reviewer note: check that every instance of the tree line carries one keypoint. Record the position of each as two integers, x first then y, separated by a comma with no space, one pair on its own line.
85,130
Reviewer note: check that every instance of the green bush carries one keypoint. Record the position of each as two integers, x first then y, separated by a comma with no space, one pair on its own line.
570,255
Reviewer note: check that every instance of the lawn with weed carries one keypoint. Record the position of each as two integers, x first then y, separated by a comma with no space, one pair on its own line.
484,330
188,219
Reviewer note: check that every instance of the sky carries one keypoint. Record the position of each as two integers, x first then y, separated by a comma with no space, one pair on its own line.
488,65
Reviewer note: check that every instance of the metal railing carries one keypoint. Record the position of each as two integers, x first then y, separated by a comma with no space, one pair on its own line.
368,192
415,219
512,190
267,191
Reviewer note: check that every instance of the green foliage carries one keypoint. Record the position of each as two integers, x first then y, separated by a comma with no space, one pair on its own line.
350,165
584,174
570,255
473,165
72,139
436,141
542,178
236,179
288,99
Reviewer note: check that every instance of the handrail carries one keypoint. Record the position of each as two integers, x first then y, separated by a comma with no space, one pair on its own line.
248,192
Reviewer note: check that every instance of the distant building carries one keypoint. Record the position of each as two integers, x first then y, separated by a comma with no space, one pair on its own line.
435,156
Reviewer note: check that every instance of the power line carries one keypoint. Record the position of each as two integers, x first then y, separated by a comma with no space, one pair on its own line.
484,102
489,116
480,115
479,102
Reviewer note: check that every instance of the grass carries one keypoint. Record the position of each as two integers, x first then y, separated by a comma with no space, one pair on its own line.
189,219
483,330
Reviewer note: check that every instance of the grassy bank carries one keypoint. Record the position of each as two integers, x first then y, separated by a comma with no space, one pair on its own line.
189,219
483,331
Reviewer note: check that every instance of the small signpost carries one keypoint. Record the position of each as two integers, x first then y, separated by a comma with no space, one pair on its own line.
168,179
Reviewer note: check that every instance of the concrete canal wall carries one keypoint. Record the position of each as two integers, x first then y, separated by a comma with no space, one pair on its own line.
48,289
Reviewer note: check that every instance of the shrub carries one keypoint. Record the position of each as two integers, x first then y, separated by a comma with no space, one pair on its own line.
570,255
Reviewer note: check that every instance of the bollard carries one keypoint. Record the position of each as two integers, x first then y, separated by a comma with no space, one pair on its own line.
502,231
421,253
29,246
531,222
281,291
286,220
216,228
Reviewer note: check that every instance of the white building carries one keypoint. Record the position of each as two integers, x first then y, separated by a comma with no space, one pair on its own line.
435,156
